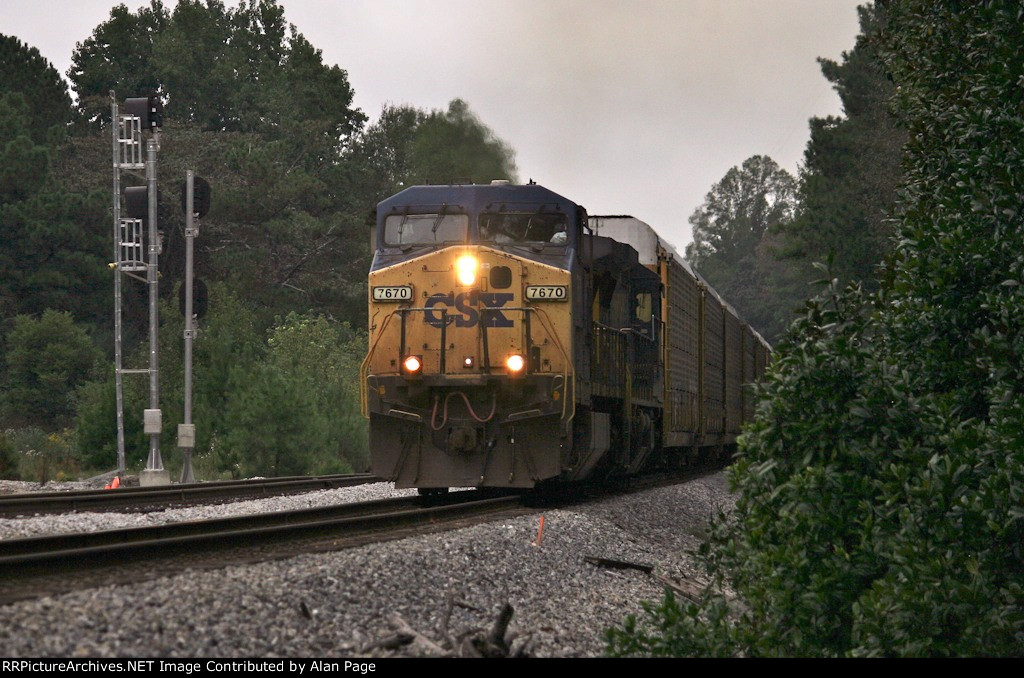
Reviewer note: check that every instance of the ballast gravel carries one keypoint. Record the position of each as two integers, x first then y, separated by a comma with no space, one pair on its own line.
92,521
339,604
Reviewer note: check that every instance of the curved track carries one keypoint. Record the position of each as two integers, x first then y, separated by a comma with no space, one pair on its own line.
52,564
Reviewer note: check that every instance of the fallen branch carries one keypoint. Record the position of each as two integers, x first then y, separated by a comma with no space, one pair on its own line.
449,606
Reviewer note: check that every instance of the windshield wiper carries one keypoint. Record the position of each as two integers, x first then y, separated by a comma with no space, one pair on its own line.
437,222
401,229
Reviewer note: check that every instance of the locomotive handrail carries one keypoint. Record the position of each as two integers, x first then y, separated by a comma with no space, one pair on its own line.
364,370
625,360
571,371
570,368
567,373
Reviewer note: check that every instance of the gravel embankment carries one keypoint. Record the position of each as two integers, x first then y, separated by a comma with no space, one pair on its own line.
338,603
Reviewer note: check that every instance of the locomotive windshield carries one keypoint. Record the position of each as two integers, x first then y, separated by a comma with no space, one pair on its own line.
524,227
425,229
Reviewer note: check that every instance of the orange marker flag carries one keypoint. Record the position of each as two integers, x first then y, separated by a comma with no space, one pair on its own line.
540,532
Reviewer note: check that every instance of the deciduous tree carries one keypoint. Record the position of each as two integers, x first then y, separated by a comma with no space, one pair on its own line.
243,69
407,146
732,235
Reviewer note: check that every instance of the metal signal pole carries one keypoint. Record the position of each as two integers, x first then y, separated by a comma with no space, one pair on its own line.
187,430
154,473
117,134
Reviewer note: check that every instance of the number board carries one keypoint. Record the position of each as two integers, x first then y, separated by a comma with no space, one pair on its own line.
395,293
547,292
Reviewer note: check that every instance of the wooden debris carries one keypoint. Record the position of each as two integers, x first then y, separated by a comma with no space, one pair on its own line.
448,607
690,591
495,644
687,590
618,564
498,642
423,645
390,642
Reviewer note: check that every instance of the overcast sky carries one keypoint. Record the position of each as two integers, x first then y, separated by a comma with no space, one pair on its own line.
625,106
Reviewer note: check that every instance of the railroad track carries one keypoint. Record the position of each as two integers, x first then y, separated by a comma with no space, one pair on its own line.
138,499
51,564
46,565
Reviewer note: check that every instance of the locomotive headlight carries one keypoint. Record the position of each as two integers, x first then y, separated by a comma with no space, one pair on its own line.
412,365
465,270
515,363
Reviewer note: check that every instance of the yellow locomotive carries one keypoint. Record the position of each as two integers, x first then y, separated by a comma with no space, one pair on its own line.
515,340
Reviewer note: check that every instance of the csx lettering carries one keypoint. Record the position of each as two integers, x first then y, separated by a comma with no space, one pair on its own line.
465,304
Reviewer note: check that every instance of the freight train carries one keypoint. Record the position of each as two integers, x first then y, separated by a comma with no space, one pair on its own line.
514,340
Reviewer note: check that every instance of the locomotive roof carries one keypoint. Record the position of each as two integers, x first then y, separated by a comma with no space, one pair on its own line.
475,197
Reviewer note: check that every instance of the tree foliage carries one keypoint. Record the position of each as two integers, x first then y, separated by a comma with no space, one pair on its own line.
47,358
881,483
454,144
24,163
851,169
283,401
843,206
53,239
408,146
733,232
298,411
740,209
23,70
243,70
119,56
251,107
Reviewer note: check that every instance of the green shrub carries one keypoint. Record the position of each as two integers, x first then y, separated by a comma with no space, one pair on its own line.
297,411
42,456
285,405
881,485
228,340
9,469
47,359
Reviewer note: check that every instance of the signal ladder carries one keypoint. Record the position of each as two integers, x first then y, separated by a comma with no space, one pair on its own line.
128,154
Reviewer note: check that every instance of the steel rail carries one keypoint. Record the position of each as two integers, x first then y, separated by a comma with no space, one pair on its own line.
69,552
192,493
